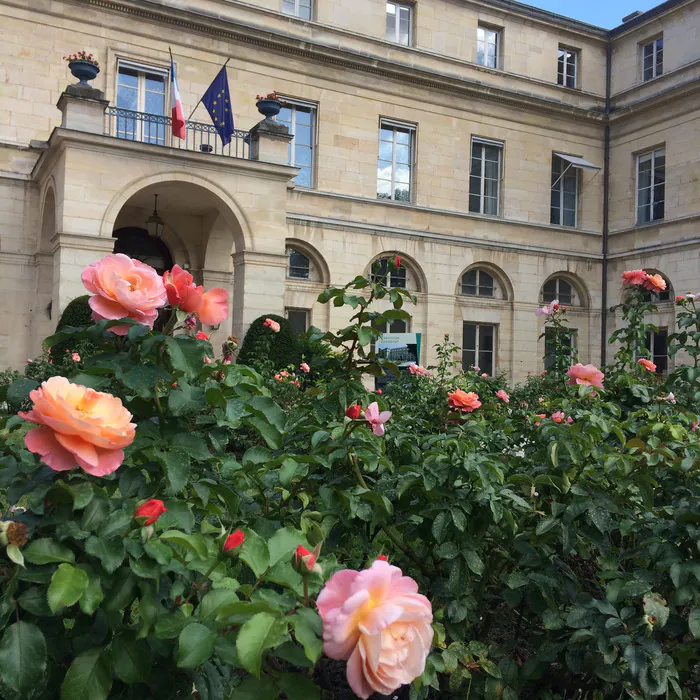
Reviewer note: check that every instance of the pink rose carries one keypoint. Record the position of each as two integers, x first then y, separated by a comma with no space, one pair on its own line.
377,620
654,283
375,419
76,357
503,396
634,277
304,367
417,370
464,401
272,325
124,288
558,416
588,375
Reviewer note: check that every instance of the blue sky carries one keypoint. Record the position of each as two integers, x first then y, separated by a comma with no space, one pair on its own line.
603,13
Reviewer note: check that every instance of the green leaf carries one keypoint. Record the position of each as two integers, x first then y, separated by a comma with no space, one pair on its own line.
261,632
143,379
186,355
459,519
131,659
195,645
117,523
170,625
47,551
89,676
66,587
269,432
298,687
694,622
14,554
23,657
474,562
254,689
92,595
266,408
18,391
254,553
195,543
177,468
186,399
283,544
655,606
307,630
636,659
194,445
256,455
109,551
33,600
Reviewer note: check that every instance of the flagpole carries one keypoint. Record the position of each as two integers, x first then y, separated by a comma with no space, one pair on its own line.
200,99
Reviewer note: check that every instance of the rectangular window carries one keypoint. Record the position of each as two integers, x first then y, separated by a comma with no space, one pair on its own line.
567,343
395,164
479,347
564,206
398,23
653,59
300,119
487,46
397,276
657,344
297,8
141,89
651,186
485,176
298,320
567,67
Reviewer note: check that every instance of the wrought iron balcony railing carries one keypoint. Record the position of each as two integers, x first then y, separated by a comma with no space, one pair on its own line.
156,129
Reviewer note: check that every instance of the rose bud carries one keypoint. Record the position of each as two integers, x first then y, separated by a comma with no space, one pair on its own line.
354,412
305,561
234,540
147,513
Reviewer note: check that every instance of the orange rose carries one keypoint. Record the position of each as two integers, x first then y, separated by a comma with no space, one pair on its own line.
124,288
647,364
463,401
79,427
211,306
654,283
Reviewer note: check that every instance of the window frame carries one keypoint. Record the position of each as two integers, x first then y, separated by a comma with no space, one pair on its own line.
576,54
482,177
143,69
289,275
656,71
558,279
294,309
560,184
654,154
384,272
479,271
297,5
293,103
393,124
498,34
477,340
649,344
397,19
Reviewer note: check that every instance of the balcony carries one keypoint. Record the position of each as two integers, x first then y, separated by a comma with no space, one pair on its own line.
157,130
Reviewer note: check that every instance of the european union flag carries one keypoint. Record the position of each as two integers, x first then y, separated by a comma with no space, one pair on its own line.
217,100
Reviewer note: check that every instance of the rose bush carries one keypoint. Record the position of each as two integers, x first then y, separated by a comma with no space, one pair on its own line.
451,537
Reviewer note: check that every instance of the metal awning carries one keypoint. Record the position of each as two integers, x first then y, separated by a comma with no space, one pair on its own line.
577,162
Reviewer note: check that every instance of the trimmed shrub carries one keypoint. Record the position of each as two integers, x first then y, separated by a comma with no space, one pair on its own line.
76,315
262,346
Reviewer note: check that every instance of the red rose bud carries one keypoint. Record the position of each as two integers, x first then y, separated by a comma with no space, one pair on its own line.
151,511
382,557
354,411
304,560
397,262
201,335
235,539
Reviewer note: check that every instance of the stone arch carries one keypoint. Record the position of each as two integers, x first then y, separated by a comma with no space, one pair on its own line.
48,218
576,282
229,209
409,263
496,272
315,256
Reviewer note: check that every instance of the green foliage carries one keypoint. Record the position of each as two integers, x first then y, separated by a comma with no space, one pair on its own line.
560,559
263,348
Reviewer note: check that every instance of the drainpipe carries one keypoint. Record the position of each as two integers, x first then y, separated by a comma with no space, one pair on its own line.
606,195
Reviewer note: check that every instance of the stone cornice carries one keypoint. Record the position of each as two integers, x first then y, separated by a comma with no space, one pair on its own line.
278,42
464,241
61,138
656,248
656,225
661,98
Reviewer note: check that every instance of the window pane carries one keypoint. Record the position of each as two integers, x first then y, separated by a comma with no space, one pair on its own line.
469,277
398,326
127,98
565,292
403,153
485,284
391,21
128,77
383,189
485,338
402,174
289,7
468,359
154,103
549,291
299,264
297,320
403,135
469,336
386,150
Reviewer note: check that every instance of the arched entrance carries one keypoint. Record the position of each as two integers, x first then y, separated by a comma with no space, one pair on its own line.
136,243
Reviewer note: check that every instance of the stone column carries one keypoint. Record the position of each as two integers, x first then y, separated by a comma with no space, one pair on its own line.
83,109
258,287
72,253
269,142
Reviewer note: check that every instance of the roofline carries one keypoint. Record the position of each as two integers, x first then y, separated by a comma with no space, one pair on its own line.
646,16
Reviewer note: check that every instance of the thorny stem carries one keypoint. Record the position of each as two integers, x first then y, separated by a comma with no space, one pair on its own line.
201,583
356,469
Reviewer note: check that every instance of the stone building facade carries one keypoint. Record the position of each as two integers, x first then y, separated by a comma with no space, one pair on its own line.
509,155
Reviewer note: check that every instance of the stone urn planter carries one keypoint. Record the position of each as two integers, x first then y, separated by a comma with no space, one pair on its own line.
83,71
268,107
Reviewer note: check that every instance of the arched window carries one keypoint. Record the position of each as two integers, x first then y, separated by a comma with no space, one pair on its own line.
478,283
299,265
560,289
137,244
397,275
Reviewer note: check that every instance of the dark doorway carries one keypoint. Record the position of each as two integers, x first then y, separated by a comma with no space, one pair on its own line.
136,243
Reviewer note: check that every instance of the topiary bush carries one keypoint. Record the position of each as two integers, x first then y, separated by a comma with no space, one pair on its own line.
77,314
262,347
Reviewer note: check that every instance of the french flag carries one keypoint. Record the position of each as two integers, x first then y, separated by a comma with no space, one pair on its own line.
178,119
